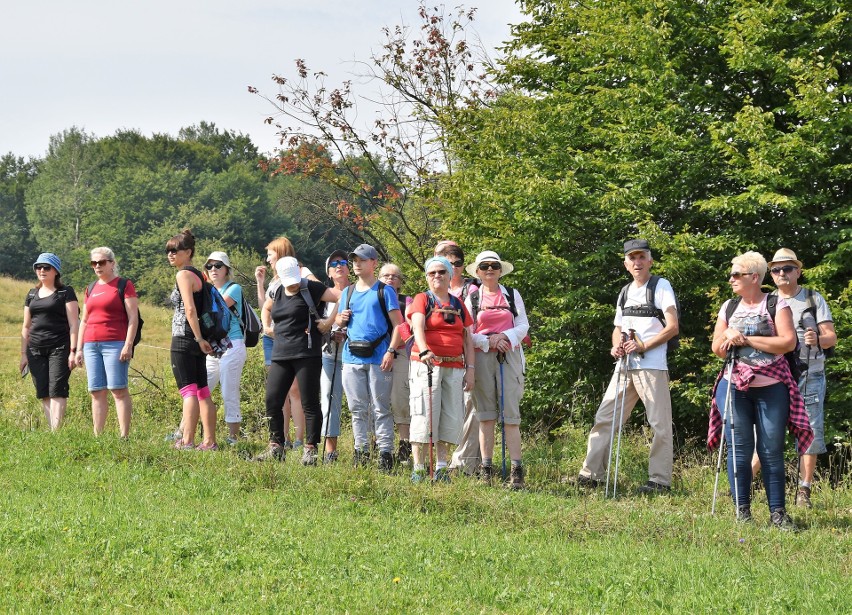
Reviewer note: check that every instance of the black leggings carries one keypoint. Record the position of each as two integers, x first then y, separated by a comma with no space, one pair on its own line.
278,382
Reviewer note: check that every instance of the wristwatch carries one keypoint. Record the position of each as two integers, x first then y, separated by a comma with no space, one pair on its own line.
395,353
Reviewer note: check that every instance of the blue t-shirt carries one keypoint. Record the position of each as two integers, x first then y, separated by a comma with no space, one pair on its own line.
367,322
235,293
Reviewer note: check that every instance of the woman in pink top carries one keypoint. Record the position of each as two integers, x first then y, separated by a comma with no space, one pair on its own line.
497,336
107,328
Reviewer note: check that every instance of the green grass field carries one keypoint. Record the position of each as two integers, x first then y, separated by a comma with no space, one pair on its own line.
100,524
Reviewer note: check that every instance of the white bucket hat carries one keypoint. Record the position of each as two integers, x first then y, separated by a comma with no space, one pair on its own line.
484,257
220,256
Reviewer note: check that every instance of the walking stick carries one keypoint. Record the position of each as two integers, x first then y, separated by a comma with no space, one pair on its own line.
330,397
624,338
620,371
429,381
725,413
501,359
804,393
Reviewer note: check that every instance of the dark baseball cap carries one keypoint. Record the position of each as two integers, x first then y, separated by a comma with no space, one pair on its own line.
636,245
366,251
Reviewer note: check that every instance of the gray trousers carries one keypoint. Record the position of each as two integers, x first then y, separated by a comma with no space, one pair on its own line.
368,391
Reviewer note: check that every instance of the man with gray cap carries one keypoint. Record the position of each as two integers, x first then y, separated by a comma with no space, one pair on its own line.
369,310
815,330
651,319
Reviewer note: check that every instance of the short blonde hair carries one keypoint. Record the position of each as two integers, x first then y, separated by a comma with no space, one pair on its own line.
752,262
107,254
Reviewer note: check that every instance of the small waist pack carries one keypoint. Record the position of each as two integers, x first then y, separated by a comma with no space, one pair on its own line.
364,349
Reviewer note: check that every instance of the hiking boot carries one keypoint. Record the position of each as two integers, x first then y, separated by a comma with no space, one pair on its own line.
419,476
744,514
516,478
331,457
274,452
803,498
486,473
309,456
360,459
782,520
442,475
586,482
653,488
403,454
385,462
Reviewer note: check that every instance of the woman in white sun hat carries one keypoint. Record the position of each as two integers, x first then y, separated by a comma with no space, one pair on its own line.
500,326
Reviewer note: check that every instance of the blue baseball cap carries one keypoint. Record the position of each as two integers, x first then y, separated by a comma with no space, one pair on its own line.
49,258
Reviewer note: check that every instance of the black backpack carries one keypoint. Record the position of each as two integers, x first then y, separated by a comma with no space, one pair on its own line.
367,349
809,298
649,310
122,286
792,357
250,324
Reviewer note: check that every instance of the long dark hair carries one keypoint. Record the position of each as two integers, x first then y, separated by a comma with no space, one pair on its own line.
184,240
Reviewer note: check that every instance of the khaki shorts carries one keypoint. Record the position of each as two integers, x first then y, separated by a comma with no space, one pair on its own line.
447,404
486,391
400,391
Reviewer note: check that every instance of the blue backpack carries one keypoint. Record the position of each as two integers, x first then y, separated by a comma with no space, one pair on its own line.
213,315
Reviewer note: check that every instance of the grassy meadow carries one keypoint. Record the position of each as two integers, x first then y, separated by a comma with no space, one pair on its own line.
100,524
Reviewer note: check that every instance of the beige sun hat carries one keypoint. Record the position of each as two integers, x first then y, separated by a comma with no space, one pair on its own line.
489,255
785,255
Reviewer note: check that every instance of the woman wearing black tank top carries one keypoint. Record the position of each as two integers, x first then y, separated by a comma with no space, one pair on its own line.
189,349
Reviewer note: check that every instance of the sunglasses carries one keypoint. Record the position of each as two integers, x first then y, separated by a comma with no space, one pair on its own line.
338,263
216,266
437,272
458,264
785,269
738,274
43,267
173,250
101,262
490,266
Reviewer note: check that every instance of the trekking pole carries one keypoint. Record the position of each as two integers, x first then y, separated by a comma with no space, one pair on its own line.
429,381
804,393
619,369
501,359
725,413
621,413
330,397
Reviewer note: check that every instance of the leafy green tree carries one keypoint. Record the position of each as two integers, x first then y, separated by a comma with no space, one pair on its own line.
18,248
708,128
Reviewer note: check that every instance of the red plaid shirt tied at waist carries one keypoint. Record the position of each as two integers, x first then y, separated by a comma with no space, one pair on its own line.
797,421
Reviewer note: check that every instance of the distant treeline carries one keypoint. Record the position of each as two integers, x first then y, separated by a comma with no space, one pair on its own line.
132,193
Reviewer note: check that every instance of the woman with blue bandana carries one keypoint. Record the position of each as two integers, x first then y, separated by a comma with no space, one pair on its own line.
444,347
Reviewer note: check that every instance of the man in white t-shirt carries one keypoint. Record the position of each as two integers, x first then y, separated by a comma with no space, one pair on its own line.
647,330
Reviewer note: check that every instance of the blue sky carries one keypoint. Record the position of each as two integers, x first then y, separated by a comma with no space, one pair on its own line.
157,66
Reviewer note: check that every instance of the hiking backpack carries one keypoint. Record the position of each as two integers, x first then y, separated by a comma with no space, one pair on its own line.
214,317
122,286
368,350
792,357
509,294
250,324
649,310
812,309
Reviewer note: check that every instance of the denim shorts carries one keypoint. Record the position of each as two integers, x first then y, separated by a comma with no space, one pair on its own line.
812,387
103,368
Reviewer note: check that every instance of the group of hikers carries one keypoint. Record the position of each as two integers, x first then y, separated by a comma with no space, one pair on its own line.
443,368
